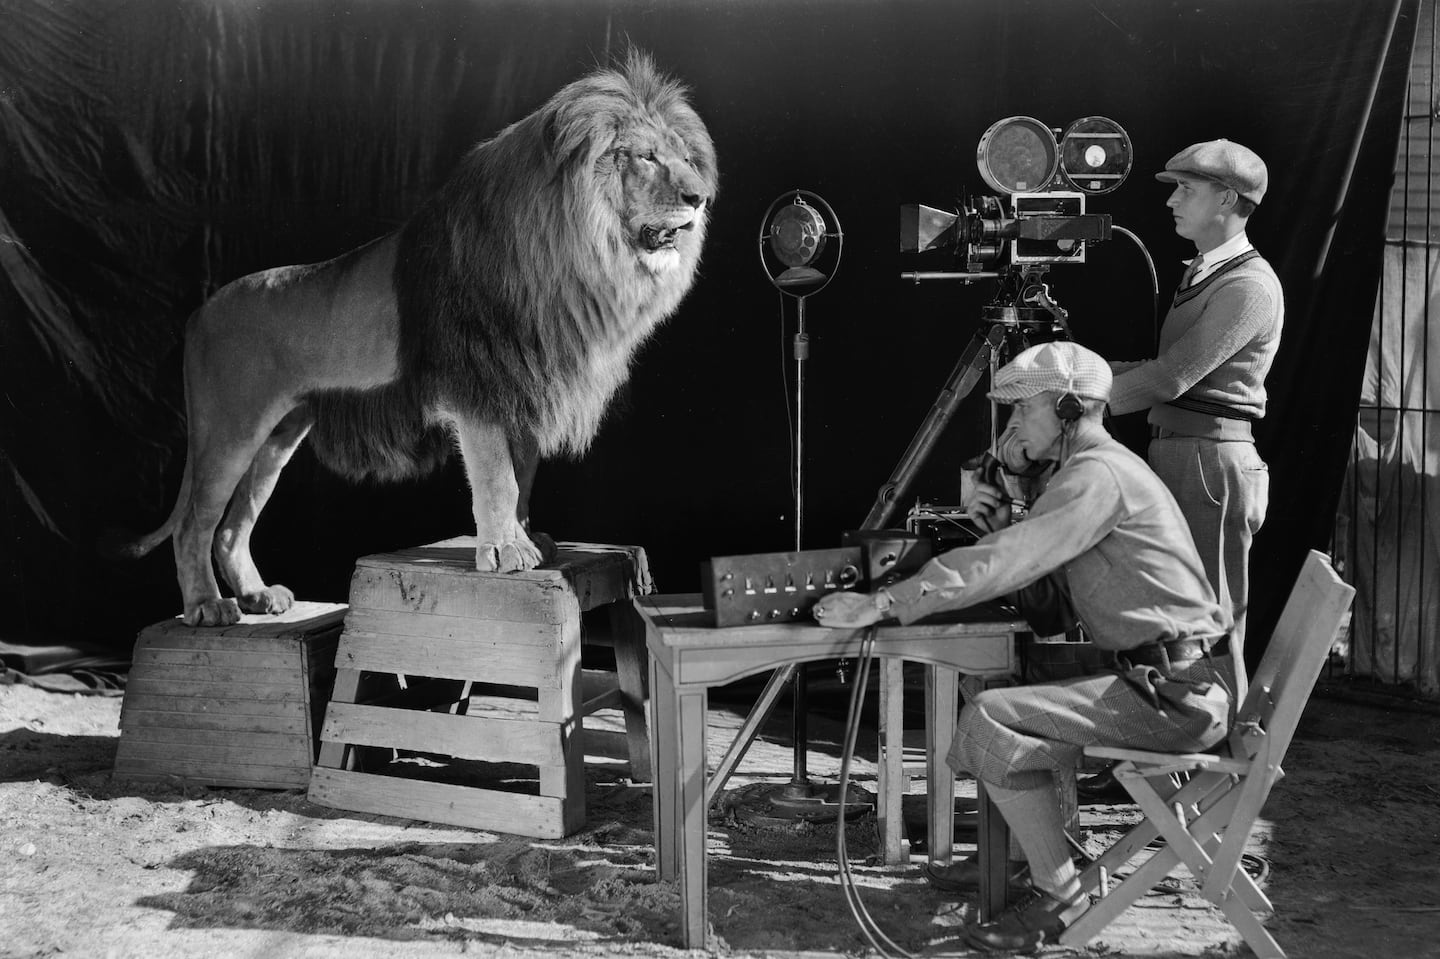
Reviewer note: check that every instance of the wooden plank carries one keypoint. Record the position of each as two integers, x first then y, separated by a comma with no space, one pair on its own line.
258,645
290,722
511,597
463,737
240,676
481,632
185,707
605,743
268,692
503,707
448,659
540,817
293,754
302,619
257,739
254,776
281,659
331,753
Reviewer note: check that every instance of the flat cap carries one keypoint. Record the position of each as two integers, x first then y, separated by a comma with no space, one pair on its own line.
1061,366
1223,161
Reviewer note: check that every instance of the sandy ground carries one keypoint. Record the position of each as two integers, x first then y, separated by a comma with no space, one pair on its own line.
91,866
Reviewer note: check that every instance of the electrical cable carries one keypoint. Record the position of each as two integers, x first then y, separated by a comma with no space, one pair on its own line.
867,923
1154,280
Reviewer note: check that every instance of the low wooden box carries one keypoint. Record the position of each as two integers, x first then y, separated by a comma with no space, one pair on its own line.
229,706
459,695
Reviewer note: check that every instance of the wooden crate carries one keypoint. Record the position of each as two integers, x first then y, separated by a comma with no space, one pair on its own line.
459,695
229,706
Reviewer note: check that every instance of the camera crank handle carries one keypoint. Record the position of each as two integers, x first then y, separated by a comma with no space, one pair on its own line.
1042,298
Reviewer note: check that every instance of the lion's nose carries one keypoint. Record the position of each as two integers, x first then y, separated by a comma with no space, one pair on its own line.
696,200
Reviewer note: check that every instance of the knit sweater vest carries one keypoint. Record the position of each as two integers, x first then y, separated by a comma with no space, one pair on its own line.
1216,347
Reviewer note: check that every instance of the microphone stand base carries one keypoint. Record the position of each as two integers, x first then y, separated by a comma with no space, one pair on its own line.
797,801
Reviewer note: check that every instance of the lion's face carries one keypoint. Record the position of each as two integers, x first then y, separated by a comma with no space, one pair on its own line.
663,197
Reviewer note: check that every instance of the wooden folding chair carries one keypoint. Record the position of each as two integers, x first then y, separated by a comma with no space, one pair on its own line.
1201,807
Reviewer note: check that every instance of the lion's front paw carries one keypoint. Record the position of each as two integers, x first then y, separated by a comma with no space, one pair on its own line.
213,612
271,599
510,557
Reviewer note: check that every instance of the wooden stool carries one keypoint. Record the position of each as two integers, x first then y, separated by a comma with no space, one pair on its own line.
448,679
231,705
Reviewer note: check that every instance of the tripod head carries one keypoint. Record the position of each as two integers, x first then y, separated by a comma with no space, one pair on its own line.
1024,311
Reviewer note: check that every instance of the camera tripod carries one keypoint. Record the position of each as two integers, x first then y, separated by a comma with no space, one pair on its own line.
1021,315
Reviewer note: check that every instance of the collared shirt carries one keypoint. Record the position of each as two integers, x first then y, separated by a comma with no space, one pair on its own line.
1212,261
1110,524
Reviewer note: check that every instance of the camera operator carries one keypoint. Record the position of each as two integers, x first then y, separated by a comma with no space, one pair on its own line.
1111,529
1207,385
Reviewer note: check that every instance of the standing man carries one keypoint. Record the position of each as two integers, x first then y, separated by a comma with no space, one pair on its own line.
1207,385
1112,530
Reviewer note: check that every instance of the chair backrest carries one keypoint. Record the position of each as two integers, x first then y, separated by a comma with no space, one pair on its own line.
1293,659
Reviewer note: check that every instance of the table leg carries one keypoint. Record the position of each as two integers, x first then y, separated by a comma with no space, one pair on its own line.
665,753
941,702
693,809
891,771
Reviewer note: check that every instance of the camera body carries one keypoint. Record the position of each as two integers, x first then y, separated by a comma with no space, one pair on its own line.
1039,218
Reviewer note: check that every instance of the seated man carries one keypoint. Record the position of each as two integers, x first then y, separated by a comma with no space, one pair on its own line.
1136,583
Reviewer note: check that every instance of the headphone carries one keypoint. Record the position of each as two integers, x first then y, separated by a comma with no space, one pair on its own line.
1069,407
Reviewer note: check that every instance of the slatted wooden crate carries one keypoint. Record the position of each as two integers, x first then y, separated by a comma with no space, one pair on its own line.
229,706
459,695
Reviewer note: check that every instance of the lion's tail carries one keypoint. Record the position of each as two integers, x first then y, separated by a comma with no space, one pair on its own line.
379,435
124,545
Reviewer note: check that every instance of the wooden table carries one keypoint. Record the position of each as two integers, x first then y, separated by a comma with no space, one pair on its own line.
689,655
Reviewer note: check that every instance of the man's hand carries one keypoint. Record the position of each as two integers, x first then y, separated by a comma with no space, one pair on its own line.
846,609
1010,451
987,505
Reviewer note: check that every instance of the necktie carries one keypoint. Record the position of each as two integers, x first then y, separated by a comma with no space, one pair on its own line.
1191,271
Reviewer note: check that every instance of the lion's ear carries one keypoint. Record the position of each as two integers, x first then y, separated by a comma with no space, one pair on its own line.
567,139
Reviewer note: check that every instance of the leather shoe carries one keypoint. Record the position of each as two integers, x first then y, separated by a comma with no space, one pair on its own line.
1035,921
1103,789
963,876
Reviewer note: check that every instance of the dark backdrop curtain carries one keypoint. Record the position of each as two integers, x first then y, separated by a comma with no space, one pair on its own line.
151,151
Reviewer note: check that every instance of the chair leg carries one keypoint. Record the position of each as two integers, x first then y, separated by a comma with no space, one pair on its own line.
1251,929
1158,796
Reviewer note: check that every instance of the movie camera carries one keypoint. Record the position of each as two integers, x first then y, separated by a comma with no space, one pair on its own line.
1041,218
1038,220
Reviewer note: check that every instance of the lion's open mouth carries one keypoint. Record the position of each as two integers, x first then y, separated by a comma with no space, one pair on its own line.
654,237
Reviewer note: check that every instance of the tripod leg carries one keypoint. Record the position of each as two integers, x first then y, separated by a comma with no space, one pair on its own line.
973,363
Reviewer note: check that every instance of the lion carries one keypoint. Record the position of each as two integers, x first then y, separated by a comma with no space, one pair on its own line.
499,320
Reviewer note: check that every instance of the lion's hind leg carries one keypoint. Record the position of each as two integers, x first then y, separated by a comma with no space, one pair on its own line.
232,539
220,455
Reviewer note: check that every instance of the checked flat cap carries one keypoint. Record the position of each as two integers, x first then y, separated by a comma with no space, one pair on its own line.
1223,161
1061,366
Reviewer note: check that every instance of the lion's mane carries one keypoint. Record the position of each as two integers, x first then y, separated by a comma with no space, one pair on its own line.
521,300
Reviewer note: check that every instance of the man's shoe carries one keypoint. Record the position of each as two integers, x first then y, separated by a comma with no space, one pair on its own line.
963,876
1102,789
1035,921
